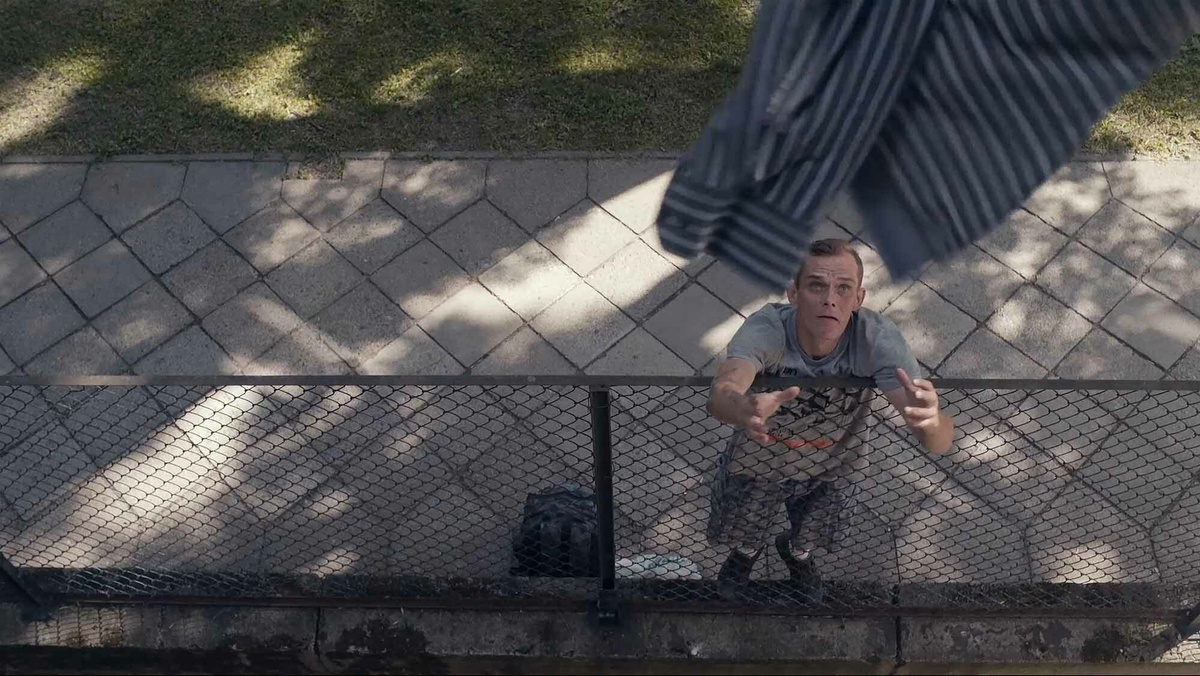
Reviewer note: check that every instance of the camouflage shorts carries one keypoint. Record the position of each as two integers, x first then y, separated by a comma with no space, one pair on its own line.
744,507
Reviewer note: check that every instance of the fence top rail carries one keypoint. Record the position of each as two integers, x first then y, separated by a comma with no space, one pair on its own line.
598,382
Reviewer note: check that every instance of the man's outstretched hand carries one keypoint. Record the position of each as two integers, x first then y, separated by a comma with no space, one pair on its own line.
759,408
922,410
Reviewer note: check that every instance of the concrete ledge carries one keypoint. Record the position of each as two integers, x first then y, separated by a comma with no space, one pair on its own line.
232,639
1021,640
347,634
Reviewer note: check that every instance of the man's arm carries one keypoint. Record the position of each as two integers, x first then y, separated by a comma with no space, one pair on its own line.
917,402
729,403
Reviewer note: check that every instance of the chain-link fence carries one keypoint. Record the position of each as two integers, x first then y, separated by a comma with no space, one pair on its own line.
1061,497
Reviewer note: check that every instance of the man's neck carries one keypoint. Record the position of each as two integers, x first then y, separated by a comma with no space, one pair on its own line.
813,346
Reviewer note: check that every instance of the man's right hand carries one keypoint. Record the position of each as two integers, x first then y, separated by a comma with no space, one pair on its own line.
758,408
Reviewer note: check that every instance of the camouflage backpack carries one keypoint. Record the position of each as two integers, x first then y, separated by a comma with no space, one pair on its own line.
557,536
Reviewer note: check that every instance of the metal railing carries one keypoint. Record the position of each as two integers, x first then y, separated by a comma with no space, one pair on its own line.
1060,497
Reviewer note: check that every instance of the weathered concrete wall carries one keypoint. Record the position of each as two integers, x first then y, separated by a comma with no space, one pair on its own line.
221,639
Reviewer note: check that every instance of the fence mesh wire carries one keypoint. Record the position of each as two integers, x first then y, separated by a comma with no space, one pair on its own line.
1051,498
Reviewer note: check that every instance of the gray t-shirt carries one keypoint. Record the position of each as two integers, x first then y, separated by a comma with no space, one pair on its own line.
823,433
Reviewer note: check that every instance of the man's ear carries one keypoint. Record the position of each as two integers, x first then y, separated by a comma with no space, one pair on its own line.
792,291
862,295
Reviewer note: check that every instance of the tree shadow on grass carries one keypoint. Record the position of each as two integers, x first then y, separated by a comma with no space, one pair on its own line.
302,76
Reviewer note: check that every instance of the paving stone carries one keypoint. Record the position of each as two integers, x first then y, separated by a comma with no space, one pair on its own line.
271,237
209,278
1081,539
65,237
168,237
695,325
35,321
360,324
430,193
326,202
1136,474
535,192
735,290
637,280
529,279
300,353
30,192
1163,190
871,259
191,353
470,323
585,237
124,193
1125,237
1188,367
839,210
6,364
955,537
420,279
692,267
373,236
932,326
1068,425
1192,234
973,281
459,536
1176,541
520,464
226,193
1071,196
102,278
639,354
142,321
1023,243
18,272
1100,356
413,353
986,355
993,461
582,324
1153,325
313,278
1039,326
250,323
631,190
524,353
882,290
83,353
40,468
647,476
4,234
1085,281
479,237
1174,275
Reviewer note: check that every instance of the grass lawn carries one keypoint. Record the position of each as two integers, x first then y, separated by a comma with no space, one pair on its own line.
315,76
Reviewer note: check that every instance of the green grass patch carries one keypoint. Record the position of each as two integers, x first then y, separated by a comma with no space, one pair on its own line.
315,76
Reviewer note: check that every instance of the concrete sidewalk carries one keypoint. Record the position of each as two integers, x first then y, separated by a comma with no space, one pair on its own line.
545,265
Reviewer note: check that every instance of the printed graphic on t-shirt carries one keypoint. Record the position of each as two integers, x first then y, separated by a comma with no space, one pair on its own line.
821,433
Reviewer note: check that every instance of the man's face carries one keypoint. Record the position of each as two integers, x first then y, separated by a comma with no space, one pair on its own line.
827,293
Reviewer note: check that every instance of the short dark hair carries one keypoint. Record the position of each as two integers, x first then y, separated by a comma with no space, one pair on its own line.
831,247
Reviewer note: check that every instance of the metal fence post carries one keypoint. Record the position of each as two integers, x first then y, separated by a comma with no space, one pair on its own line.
606,601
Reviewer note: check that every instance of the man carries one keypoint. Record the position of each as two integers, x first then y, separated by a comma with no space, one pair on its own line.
804,449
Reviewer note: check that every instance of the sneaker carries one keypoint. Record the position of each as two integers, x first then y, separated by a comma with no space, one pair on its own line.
735,573
803,572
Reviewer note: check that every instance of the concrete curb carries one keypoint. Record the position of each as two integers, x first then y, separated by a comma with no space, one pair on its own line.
350,640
